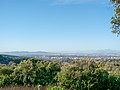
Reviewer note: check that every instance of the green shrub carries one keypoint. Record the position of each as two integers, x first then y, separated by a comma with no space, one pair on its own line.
55,88
5,80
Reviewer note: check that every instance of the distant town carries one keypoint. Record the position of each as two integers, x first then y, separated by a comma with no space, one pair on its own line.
104,55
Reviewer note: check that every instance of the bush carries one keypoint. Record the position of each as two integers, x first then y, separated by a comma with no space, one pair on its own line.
5,80
74,77
55,88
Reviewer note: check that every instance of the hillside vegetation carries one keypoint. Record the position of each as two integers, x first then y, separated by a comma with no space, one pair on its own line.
75,75
5,59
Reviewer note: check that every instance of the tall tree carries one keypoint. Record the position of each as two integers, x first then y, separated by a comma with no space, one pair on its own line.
116,18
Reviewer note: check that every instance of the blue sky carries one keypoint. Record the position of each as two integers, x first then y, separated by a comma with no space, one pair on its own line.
56,25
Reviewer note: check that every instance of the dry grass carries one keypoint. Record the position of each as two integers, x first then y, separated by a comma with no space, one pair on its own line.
21,88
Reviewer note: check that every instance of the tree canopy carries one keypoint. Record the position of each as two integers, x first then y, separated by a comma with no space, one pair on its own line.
115,20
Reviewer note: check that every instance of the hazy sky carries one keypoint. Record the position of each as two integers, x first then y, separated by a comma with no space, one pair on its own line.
56,25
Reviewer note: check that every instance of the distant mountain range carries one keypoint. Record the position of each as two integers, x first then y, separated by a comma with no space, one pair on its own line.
26,53
41,53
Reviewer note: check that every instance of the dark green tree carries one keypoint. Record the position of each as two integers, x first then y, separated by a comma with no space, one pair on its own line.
46,72
34,72
24,73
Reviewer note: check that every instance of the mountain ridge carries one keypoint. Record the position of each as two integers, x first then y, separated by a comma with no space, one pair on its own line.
87,52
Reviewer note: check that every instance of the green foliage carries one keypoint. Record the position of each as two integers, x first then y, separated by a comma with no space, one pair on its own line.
5,80
24,73
86,76
6,70
33,72
5,59
115,20
55,88
77,75
46,72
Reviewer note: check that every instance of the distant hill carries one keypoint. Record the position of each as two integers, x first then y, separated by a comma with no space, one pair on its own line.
26,53
5,59
83,53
